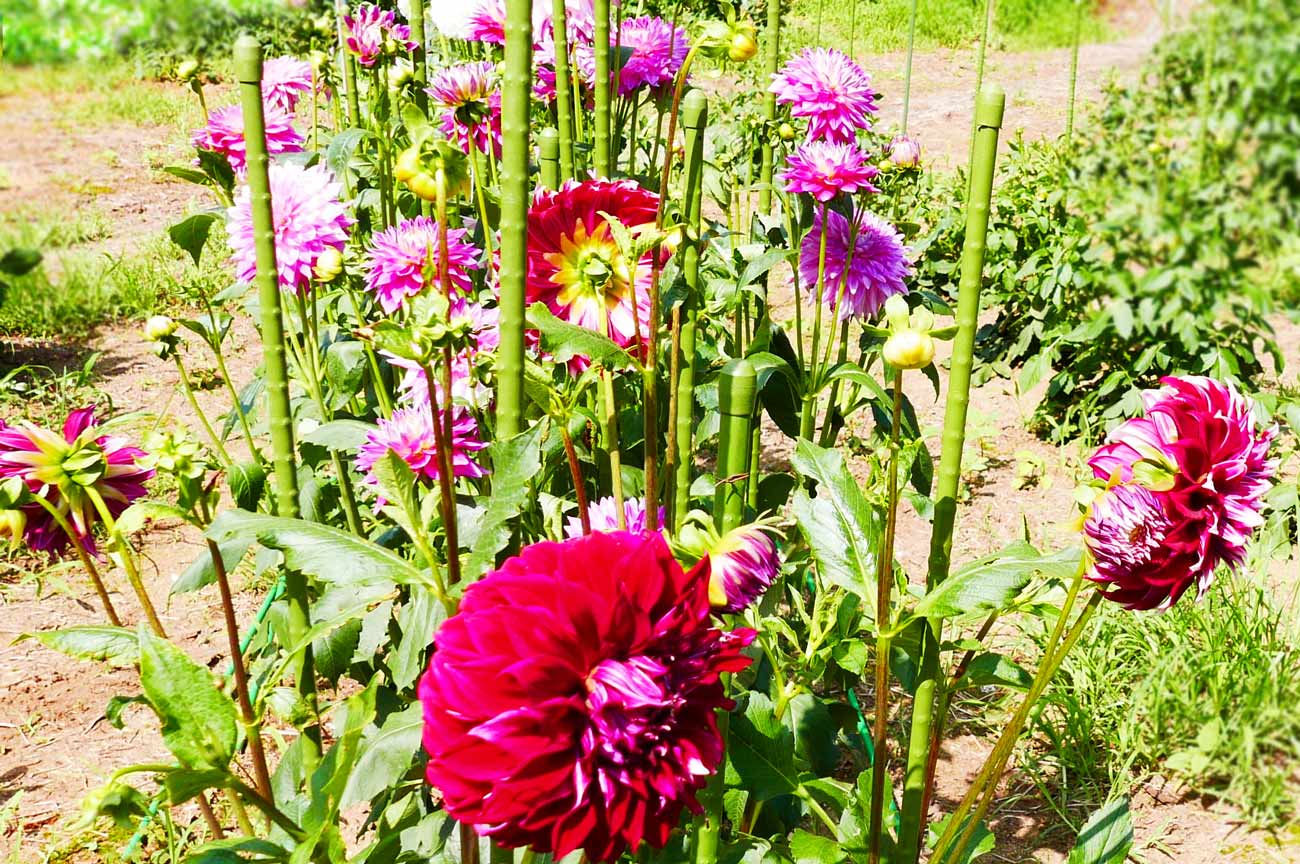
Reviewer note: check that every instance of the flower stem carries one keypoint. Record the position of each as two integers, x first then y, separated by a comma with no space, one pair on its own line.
127,554
771,59
86,560
907,73
443,430
230,385
563,93
217,444
575,471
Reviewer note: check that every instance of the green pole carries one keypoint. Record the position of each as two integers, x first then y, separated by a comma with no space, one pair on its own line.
548,158
988,121
418,62
600,129
695,117
516,99
736,390
979,78
771,59
248,68
347,66
1074,73
563,91
907,73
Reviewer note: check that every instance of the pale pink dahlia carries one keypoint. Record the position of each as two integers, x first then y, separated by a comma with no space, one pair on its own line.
603,515
370,28
905,152
829,89
224,134
824,169
284,81
471,95
657,52
1193,473
572,701
410,435
400,256
744,563
866,263
308,217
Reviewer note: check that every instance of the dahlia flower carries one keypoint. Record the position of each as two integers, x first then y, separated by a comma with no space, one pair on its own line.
824,169
466,389
829,89
570,703
65,470
487,23
224,134
399,257
658,50
471,95
308,220
574,264
866,263
284,81
1192,474
410,435
603,516
369,28
904,152
743,564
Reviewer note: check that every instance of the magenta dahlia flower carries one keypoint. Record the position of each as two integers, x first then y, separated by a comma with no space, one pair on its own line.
410,435
284,81
571,702
487,23
224,134
904,152
574,265
471,95
824,169
399,257
308,220
370,28
866,263
829,89
68,471
744,564
603,515
1194,471
657,52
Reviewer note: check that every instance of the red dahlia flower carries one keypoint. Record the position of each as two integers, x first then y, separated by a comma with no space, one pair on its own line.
570,703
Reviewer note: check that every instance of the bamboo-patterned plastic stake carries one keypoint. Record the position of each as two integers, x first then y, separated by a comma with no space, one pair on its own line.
737,386
548,157
601,88
771,58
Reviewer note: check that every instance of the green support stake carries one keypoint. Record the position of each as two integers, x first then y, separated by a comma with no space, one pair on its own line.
695,117
419,66
347,65
925,724
771,59
548,158
563,92
1074,74
737,387
248,69
516,101
600,128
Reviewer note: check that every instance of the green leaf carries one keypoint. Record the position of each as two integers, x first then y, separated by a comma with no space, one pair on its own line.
116,646
419,620
515,461
1107,837
992,582
809,848
185,783
332,652
843,530
814,734
564,341
981,840
340,435
198,720
345,367
994,670
201,573
185,172
247,482
135,517
326,553
761,750
20,262
192,234
236,850
385,756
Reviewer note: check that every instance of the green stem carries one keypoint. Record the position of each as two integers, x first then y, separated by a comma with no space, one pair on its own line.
808,418
347,68
186,386
980,53
123,547
442,417
1074,73
419,63
376,372
86,561
563,93
480,188
230,385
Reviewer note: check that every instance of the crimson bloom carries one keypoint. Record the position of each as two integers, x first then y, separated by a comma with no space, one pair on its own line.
570,703
1188,484
574,264
866,263
224,134
824,169
829,89
69,472
471,95
400,255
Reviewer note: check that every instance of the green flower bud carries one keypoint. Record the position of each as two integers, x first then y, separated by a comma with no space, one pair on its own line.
328,265
744,45
785,132
158,328
187,69
909,349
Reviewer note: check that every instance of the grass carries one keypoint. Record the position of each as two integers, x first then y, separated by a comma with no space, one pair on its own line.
105,93
881,25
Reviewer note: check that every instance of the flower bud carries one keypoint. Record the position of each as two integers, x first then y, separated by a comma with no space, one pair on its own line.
12,525
743,563
318,60
785,132
743,45
329,264
187,69
407,165
399,74
909,349
158,328
905,152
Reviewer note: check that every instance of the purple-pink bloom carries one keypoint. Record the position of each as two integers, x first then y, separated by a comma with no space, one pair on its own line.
743,564
603,515
472,98
410,435
466,389
866,263
400,256
904,151
657,52
308,217
487,23
284,81
369,28
824,169
224,134
830,90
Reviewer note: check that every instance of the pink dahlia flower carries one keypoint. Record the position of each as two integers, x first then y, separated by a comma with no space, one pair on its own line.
410,435
829,89
904,152
400,256
308,220
574,265
1202,467
603,515
487,23
866,263
284,81
224,134
657,52
68,471
571,702
471,95
370,28
744,563
824,169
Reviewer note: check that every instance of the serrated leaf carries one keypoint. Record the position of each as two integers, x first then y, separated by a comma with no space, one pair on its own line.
116,646
515,461
994,670
807,848
20,262
761,749
198,720
564,341
385,756
201,573
993,582
340,435
247,481
1106,837
191,234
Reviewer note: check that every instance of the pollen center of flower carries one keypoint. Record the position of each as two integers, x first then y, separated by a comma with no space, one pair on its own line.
589,266
631,711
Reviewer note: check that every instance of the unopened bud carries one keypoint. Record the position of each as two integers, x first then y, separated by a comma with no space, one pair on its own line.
785,132
187,69
329,264
12,525
743,45
909,349
158,328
